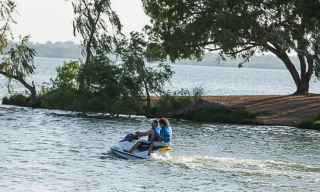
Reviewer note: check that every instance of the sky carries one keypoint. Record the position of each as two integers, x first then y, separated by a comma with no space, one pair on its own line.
51,20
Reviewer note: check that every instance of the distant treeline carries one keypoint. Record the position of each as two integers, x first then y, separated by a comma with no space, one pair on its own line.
72,50
262,61
67,49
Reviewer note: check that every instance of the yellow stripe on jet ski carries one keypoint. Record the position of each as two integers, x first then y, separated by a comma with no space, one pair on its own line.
166,149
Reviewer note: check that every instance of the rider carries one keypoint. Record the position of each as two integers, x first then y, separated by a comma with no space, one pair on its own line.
165,135
153,135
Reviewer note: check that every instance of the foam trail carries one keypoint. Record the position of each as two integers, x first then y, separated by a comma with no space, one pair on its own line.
246,166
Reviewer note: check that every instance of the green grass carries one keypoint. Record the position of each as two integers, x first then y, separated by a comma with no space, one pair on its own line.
222,115
311,124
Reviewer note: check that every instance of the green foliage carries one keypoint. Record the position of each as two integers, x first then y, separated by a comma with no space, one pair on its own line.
184,100
188,29
197,93
95,21
222,115
19,100
67,75
7,9
64,91
109,88
103,84
133,53
64,99
18,63
149,80
311,124
113,88
168,103
177,100
317,55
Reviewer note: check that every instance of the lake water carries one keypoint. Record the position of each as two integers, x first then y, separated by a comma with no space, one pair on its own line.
56,151
214,80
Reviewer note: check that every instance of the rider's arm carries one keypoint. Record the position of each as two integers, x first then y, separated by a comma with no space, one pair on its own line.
142,134
150,149
151,136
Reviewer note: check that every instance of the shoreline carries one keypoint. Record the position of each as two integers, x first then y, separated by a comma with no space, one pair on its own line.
274,110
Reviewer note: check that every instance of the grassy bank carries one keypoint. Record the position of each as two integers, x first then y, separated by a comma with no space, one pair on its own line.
191,108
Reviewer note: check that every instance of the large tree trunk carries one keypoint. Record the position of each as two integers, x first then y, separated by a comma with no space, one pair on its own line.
31,88
303,87
301,80
305,74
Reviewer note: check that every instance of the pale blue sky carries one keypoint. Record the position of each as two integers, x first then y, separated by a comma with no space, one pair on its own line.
51,20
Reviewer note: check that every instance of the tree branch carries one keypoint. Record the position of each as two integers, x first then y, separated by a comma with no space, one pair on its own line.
285,58
31,88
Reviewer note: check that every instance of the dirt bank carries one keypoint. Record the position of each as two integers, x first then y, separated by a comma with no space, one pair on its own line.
274,110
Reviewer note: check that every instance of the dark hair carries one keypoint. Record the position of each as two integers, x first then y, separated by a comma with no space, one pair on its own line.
155,124
164,121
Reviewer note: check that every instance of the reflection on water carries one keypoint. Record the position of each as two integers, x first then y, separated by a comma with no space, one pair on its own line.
44,150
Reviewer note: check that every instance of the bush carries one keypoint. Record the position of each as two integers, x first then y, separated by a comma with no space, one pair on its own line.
100,85
110,88
168,103
19,100
311,124
177,100
67,76
222,115
59,98
180,104
105,88
64,92
197,93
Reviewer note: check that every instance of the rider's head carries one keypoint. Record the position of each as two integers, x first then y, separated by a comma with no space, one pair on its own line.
155,124
164,122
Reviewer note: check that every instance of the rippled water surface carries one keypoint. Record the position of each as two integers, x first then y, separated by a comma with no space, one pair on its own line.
55,151
44,150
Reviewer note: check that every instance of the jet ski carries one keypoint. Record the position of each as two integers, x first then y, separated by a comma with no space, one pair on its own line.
121,150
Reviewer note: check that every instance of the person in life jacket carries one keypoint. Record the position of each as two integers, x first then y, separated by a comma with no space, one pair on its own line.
165,135
153,135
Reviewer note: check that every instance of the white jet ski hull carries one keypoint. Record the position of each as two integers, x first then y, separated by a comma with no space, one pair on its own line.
121,150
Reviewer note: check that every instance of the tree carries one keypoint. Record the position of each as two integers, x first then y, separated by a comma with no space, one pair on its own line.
7,8
133,53
17,61
91,23
189,28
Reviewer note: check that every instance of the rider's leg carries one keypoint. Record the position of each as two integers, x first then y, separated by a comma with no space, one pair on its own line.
135,147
